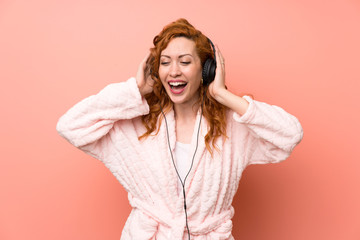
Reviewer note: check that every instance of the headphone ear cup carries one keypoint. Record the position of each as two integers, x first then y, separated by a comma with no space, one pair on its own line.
209,71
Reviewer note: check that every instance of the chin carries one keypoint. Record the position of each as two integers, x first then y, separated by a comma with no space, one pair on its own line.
176,100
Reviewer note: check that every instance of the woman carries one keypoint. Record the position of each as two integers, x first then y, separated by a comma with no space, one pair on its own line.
177,145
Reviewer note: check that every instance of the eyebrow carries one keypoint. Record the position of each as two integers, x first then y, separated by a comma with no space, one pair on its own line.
180,56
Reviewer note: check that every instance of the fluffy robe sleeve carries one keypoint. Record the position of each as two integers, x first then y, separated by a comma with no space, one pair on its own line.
272,133
86,123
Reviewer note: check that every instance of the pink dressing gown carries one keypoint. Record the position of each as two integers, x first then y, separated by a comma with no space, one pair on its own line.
107,127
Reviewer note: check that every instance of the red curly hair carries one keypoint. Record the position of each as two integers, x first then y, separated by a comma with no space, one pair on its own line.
214,112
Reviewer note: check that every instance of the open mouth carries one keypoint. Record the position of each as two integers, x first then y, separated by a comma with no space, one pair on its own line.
177,85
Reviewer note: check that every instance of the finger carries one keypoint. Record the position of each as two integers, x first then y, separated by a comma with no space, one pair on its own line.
219,60
143,63
219,57
217,54
222,58
141,68
146,56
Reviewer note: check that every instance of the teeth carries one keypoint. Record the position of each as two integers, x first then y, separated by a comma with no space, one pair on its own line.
176,83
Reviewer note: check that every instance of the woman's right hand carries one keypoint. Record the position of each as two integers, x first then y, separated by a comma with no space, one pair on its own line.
143,79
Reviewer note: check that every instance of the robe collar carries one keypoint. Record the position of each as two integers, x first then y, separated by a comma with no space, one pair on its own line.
197,146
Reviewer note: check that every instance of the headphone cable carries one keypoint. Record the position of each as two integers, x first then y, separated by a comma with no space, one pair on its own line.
192,162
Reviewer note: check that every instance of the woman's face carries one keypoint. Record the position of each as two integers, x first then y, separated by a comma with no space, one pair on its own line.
180,71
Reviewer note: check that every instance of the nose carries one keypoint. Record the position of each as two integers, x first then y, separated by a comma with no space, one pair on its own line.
175,70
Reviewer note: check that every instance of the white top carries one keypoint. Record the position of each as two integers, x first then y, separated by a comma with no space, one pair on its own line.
183,161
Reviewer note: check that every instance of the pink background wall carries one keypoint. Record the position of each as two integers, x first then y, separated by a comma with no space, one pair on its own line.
301,55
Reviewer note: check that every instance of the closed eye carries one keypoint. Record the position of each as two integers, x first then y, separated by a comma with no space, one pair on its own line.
185,63
164,63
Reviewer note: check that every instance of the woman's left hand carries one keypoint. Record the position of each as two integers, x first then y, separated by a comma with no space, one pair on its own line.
218,85
219,92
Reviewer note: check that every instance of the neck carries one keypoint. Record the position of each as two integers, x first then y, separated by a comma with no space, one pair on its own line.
186,112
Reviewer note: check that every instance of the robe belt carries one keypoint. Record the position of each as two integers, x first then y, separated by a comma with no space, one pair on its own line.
177,226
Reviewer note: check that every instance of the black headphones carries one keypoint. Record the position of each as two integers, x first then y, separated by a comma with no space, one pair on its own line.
209,68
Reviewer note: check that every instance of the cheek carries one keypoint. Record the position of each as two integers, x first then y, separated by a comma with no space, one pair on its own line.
162,74
196,74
